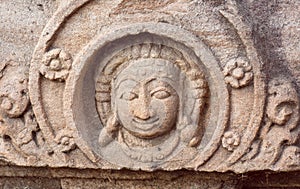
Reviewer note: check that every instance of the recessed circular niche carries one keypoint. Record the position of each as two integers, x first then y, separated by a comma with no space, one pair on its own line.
147,95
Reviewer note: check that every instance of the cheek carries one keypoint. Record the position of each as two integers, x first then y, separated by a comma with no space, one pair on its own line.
171,108
166,109
158,107
123,110
132,106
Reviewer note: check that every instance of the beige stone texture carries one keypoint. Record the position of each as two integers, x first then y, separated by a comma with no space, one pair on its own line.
149,94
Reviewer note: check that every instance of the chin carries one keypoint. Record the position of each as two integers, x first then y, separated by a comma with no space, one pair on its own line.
143,134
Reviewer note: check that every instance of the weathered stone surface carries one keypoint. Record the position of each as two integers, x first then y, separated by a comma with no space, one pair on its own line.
36,183
22,177
150,85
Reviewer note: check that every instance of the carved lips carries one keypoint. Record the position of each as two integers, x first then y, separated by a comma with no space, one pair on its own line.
146,124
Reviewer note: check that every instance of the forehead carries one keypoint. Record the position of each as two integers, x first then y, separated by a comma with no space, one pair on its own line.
151,82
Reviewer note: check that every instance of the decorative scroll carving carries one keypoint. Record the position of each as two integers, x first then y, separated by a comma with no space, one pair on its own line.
282,117
282,102
14,95
276,145
18,126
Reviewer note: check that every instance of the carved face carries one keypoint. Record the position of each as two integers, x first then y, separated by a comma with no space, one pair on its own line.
147,104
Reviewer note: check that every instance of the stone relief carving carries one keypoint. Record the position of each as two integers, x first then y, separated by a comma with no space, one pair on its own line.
238,72
151,93
278,135
146,101
56,64
148,96
65,141
230,140
282,102
19,129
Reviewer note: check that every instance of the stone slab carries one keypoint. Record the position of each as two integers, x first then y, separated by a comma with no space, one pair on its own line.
150,85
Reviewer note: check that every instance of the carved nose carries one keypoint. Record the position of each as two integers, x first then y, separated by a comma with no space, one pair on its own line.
142,112
142,109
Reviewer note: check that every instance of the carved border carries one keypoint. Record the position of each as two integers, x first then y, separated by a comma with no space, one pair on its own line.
48,34
244,30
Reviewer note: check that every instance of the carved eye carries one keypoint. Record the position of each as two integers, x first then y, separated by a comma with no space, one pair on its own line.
160,94
129,96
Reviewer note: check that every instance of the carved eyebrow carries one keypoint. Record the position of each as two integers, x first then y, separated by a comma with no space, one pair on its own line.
157,78
150,79
125,79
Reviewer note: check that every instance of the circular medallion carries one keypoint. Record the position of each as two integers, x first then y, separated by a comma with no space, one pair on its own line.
140,96
145,95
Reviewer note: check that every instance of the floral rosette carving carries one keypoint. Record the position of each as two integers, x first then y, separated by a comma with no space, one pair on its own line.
56,65
230,140
65,141
238,72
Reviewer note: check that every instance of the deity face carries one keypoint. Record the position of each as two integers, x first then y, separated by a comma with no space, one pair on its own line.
146,105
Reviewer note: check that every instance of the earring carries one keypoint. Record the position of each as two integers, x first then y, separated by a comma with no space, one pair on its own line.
108,132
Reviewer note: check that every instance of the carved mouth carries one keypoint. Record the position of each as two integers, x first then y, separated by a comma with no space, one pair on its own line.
145,124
